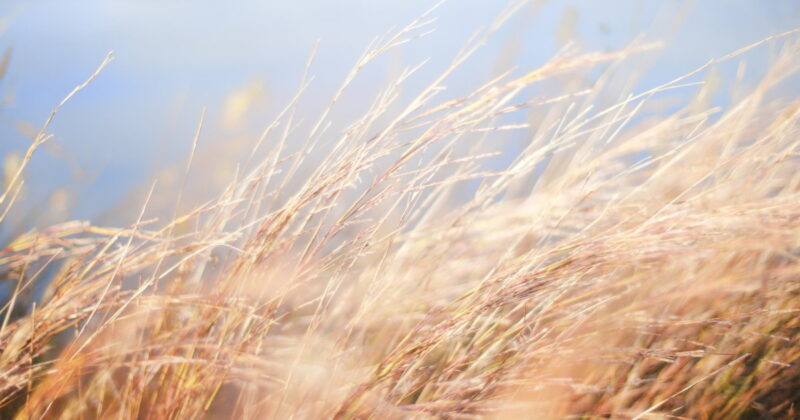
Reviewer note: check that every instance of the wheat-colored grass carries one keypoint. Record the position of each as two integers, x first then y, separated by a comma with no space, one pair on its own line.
371,283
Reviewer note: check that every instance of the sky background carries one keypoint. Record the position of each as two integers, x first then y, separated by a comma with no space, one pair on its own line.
174,58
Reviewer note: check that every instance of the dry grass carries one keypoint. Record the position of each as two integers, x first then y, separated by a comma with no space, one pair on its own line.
576,281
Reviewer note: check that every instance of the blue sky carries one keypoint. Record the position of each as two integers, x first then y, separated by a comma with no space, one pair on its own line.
175,57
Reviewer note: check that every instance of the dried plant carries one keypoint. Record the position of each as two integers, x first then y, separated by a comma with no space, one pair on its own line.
624,264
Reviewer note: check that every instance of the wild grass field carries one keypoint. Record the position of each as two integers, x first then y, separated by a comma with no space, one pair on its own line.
633,259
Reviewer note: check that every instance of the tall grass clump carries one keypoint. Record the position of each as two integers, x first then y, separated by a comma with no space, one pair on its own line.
624,263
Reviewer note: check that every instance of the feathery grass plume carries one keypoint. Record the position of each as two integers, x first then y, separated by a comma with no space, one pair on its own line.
624,264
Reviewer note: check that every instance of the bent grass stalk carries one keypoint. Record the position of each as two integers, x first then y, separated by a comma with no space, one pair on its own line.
370,283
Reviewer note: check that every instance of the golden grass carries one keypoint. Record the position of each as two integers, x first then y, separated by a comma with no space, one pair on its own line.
368,284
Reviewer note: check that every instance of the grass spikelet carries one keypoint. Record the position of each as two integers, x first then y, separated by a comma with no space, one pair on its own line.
623,263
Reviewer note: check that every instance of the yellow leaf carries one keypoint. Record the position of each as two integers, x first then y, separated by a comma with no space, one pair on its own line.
11,164
240,101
